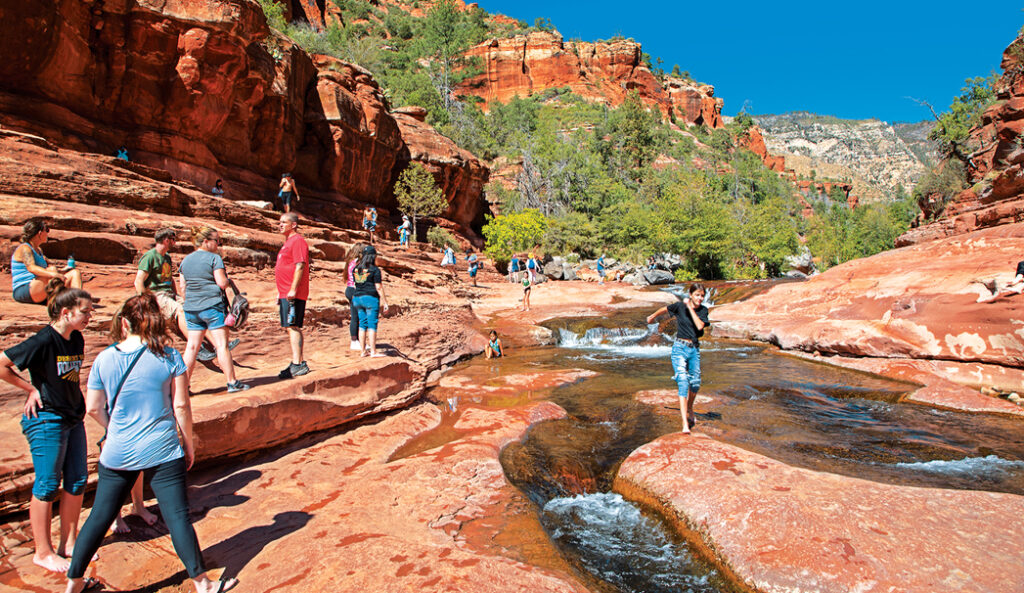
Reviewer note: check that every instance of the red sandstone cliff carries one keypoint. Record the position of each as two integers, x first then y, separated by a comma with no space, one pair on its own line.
996,169
204,90
603,72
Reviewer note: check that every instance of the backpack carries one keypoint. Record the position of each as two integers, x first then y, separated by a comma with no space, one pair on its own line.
239,310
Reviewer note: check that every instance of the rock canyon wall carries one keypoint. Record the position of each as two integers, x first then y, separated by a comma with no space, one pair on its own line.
205,90
603,71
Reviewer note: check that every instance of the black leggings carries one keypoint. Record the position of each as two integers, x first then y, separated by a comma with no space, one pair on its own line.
168,483
353,323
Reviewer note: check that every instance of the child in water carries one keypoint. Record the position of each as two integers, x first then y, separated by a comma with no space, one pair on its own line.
526,292
493,346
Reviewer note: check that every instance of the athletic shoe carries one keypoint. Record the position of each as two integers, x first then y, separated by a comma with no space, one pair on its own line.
297,370
237,386
355,346
205,355
286,373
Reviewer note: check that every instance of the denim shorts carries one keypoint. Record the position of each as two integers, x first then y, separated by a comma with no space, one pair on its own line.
686,364
366,307
59,450
212,318
23,294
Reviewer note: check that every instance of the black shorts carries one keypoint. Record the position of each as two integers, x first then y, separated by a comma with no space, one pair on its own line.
286,307
286,198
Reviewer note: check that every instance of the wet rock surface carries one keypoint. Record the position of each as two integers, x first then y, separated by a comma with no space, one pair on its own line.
779,528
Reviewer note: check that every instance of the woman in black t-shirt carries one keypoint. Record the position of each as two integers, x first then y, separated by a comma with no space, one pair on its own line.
368,298
691,320
52,420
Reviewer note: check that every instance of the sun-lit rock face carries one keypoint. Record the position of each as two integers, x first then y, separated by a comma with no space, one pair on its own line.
204,90
603,71
996,169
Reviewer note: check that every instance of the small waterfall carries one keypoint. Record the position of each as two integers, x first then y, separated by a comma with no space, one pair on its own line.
628,341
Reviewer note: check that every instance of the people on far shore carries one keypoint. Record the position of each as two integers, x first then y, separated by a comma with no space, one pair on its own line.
404,232
138,391
204,278
30,272
448,259
292,275
369,300
474,267
531,268
691,321
601,269
494,349
527,287
287,191
352,257
370,221
513,269
218,188
52,418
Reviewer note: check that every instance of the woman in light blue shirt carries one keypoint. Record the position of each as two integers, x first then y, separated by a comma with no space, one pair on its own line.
138,390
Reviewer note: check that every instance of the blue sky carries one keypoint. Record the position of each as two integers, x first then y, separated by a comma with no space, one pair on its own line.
853,60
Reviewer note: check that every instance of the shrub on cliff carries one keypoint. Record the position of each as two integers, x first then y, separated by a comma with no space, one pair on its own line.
513,233
953,130
441,237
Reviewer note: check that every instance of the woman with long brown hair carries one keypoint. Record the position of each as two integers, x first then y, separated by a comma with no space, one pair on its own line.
52,419
352,257
138,390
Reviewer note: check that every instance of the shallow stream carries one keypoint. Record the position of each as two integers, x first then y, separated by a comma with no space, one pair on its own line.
800,412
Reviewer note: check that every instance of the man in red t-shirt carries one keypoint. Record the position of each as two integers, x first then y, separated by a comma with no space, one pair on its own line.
292,274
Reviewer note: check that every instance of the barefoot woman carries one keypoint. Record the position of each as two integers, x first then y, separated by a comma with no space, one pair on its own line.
691,319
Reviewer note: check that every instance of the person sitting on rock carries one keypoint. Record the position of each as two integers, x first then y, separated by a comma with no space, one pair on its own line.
122,154
1015,286
218,188
204,278
30,271
287,191
494,349
370,221
403,232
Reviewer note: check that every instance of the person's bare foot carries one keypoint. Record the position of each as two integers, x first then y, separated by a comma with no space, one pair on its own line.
144,514
120,527
53,563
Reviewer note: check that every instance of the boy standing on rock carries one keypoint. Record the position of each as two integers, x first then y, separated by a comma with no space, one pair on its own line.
691,319
287,191
292,274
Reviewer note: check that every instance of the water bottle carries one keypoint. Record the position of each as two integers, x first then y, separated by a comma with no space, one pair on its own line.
291,313
71,262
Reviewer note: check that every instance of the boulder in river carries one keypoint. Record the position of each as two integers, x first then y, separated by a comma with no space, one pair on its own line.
659,277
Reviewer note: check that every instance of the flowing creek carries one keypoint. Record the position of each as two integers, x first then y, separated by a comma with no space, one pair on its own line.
803,413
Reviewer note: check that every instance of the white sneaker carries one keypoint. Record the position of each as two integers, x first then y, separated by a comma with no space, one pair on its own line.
355,345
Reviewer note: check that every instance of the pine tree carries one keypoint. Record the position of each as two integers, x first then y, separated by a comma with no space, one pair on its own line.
418,194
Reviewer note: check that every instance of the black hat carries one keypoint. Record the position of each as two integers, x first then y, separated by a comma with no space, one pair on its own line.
369,250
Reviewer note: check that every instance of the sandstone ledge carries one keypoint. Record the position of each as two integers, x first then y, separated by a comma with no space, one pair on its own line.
778,529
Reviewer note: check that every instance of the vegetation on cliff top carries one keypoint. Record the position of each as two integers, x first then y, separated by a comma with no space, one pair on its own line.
592,178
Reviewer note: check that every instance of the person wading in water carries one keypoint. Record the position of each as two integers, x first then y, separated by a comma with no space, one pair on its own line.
691,320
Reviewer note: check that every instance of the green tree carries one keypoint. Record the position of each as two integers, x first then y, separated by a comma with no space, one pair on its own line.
953,130
418,194
514,232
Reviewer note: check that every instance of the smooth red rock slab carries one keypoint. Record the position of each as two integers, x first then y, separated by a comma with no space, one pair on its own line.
669,398
782,529
938,377
915,302
339,514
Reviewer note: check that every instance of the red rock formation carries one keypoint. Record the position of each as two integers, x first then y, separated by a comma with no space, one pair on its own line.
780,528
603,72
203,90
318,14
996,169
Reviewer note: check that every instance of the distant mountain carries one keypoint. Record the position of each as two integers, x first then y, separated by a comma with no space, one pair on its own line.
871,154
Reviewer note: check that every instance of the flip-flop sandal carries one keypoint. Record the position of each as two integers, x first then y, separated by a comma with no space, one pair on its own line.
91,583
226,584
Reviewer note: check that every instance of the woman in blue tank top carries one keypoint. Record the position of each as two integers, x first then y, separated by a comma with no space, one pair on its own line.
30,272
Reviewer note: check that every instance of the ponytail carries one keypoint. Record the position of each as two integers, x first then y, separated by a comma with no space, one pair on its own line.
60,297
144,320
200,234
